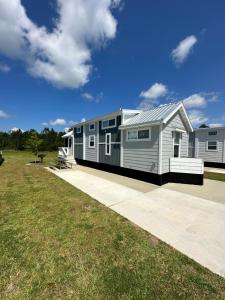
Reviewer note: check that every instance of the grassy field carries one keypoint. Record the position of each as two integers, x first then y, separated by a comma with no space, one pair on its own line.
214,176
58,243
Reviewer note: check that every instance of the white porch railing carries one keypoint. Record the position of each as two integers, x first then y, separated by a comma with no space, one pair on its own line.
186,165
65,152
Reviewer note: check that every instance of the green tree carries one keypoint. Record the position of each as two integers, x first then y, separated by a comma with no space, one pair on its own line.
34,142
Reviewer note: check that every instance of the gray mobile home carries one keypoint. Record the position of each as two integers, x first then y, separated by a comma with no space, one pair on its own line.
209,145
151,145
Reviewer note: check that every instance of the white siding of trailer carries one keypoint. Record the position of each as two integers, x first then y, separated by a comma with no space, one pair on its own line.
167,141
141,155
202,137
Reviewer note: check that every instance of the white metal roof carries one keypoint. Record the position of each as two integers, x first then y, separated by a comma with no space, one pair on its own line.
161,114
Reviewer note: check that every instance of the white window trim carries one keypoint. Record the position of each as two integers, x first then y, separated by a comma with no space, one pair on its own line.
212,134
89,140
207,146
108,121
179,142
79,129
106,153
139,140
90,126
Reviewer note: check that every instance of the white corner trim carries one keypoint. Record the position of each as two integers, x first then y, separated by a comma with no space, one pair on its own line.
121,148
160,149
84,143
97,142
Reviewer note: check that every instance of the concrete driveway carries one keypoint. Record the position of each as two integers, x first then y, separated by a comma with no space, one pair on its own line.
191,224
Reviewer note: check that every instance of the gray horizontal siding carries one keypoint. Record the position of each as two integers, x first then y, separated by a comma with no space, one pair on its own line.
78,151
113,159
90,153
167,141
142,155
202,138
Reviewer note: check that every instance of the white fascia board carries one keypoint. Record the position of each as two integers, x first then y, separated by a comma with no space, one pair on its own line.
111,115
181,106
139,125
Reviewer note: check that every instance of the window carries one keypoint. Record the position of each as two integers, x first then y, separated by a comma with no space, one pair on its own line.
91,141
176,143
138,135
212,133
108,144
212,145
78,130
109,123
70,143
92,126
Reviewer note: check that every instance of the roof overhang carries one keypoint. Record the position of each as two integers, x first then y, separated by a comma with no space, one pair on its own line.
68,134
123,127
183,111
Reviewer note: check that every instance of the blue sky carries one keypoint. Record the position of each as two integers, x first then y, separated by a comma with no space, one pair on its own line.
62,62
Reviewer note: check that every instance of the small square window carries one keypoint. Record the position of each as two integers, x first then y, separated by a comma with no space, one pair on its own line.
212,145
92,126
143,134
91,141
78,130
105,124
132,135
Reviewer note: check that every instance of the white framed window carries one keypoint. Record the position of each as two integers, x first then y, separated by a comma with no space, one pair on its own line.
212,146
176,143
139,135
110,123
91,126
108,144
78,130
212,133
91,141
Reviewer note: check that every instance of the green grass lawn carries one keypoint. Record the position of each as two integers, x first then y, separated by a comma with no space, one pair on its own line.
58,243
214,176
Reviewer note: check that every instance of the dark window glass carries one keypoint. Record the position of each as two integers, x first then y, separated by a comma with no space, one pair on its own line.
105,124
143,134
212,145
112,122
70,143
212,133
92,126
66,142
176,150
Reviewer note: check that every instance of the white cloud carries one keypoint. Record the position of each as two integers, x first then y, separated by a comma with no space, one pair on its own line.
15,129
62,56
4,68
181,52
83,120
71,123
87,96
90,98
58,122
216,125
195,100
44,124
197,117
151,96
3,115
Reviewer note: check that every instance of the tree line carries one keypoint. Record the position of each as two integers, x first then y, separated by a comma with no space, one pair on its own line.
47,140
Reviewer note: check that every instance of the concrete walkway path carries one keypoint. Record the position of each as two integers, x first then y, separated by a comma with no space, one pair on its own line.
190,224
